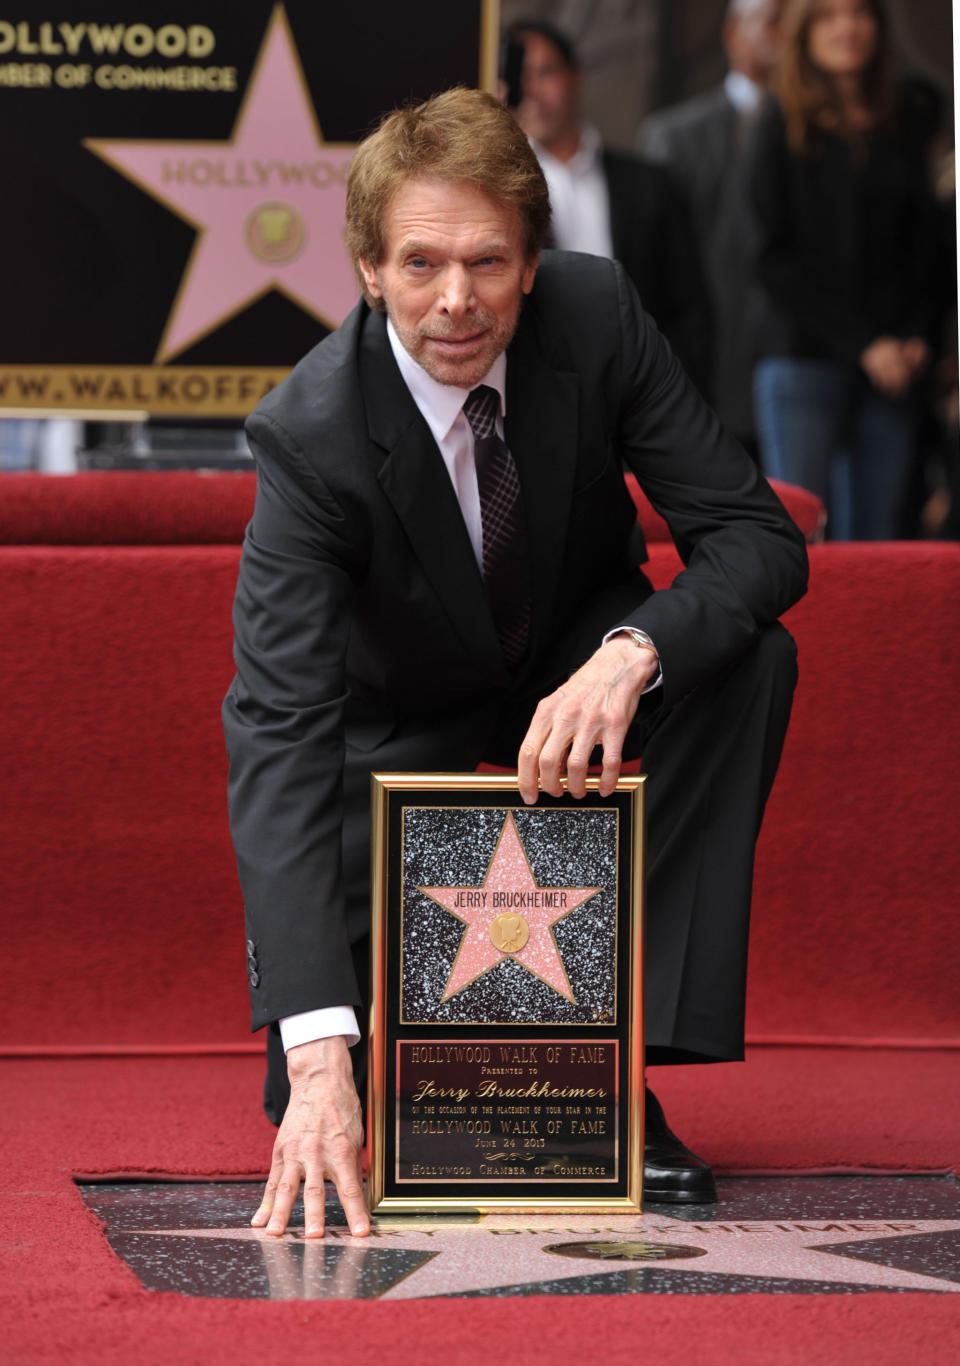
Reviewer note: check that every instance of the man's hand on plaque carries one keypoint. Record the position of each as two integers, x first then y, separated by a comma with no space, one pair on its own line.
594,707
321,1136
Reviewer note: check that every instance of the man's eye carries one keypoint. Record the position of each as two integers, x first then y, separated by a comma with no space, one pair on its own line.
418,262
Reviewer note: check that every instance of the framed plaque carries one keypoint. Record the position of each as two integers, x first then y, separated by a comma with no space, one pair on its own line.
506,1024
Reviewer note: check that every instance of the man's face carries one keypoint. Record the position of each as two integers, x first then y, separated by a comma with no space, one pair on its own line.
550,108
752,40
453,276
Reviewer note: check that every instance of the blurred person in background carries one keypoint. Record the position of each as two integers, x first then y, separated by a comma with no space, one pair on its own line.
847,250
703,141
606,202
933,501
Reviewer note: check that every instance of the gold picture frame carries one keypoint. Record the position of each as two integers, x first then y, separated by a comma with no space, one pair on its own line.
506,1017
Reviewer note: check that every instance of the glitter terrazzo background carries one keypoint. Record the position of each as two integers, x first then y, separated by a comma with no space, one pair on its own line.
452,847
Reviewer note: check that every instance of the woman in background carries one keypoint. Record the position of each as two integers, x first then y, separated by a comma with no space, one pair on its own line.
847,253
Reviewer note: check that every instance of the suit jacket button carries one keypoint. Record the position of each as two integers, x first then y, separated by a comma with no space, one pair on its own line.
254,977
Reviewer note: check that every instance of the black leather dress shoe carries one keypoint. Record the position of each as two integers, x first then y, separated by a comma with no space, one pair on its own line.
672,1174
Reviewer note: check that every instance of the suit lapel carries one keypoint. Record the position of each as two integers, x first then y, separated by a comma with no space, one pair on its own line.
415,480
541,431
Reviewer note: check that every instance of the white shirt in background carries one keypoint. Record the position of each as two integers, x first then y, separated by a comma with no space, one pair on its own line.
744,94
579,197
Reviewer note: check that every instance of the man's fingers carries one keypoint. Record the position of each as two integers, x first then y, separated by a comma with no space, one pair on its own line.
578,760
528,760
612,759
599,700
314,1203
287,1188
269,1193
552,766
349,1182
528,772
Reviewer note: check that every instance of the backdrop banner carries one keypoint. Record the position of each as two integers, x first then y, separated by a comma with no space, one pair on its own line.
174,181
506,1017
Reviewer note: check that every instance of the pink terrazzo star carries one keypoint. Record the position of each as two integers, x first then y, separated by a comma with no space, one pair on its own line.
510,1250
509,908
268,205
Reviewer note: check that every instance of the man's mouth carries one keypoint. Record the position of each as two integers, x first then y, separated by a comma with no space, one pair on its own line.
457,345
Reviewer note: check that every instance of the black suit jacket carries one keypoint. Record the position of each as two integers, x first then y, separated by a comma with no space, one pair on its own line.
363,637
655,241
706,145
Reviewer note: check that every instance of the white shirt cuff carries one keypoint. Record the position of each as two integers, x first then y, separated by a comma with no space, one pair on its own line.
654,682
310,1025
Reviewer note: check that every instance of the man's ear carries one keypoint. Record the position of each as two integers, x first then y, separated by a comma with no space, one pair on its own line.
371,278
530,270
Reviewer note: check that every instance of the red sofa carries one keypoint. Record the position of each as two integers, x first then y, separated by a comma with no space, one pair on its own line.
121,908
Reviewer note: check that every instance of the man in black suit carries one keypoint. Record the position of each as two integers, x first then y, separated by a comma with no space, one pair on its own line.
376,629
705,144
607,202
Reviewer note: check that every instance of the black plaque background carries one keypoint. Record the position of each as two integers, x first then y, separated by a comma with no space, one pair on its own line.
93,263
513,1148
514,1189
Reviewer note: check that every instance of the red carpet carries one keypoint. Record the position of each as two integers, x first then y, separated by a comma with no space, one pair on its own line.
67,1298
118,1326
121,930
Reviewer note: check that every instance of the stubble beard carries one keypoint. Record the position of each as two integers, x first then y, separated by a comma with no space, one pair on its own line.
460,372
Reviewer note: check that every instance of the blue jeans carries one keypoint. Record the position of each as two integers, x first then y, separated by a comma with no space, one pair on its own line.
823,426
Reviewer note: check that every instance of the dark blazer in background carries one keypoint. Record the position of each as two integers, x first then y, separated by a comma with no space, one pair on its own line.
363,636
704,142
655,241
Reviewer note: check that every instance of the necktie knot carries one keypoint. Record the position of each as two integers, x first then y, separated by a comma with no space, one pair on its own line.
480,410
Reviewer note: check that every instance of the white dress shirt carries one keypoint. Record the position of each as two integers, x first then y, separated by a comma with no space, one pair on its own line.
442,409
579,196
745,95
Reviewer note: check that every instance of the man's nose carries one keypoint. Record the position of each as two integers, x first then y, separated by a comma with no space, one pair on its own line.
457,290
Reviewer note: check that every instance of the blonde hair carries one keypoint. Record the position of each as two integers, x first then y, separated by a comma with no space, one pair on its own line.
459,135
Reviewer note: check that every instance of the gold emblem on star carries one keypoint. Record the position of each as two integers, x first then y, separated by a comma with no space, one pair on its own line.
275,232
627,1250
509,933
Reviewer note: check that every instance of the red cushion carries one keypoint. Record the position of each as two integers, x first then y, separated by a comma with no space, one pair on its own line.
804,507
130,507
181,507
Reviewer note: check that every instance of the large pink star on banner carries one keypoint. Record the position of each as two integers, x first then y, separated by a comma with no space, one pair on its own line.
268,205
509,916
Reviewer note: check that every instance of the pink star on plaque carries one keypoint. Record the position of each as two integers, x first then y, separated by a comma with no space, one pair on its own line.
268,205
509,916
